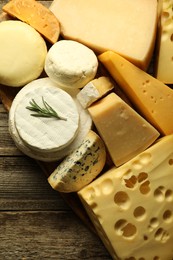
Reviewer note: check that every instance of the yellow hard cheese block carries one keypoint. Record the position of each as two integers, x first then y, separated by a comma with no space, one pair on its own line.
36,15
132,206
127,27
164,57
150,96
124,132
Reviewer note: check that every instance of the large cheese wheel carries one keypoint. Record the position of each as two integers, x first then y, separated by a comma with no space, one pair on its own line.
22,52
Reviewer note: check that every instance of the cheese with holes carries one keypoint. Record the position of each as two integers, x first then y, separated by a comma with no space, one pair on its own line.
36,15
71,64
127,27
164,56
94,90
37,149
80,167
150,96
22,51
132,206
124,132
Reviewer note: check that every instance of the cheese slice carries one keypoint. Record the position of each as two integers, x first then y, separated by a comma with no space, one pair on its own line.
124,132
94,90
127,27
132,206
44,133
80,167
163,61
150,96
85,124
36,15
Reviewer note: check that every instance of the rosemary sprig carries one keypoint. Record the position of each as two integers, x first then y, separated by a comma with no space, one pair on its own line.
46,111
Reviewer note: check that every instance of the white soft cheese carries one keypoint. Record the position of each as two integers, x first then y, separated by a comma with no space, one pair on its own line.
71,64
22,52
85,124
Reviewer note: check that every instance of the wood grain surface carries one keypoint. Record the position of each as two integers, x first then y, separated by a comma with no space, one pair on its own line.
35,221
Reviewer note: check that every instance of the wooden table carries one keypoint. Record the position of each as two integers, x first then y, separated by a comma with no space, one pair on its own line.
35,222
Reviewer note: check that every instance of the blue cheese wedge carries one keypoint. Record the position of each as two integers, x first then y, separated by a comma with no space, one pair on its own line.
80,167
84,125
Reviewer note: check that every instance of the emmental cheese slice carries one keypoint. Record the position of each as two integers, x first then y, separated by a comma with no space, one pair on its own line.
80,167
124,132
127,27
164,54
132,206
150,96
94,90
36,15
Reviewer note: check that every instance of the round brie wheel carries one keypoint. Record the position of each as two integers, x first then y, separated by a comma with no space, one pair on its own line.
85,124
71,64
22,51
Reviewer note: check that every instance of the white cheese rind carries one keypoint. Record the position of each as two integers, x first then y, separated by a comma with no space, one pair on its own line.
47,134
80,167
22,51
70,64
85,124
131,206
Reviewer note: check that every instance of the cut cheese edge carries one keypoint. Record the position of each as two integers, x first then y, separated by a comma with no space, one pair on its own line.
94,90
85,124
80,167
164,54
36,15
150,96
131,206
42,133
127,27
124,132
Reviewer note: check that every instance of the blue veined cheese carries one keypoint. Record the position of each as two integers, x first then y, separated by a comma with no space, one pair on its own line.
80,167
132,206
94,90
85,124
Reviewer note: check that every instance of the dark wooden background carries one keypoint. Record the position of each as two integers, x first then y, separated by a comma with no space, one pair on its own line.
35,221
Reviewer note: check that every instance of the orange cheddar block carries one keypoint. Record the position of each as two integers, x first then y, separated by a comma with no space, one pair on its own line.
36,15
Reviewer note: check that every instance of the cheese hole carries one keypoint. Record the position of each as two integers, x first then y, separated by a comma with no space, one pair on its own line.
167,216
139,213
107,186
145,158
130,182
171,162
156,258
169,195
161,235
142,176
154,222
144,188
159,193
125,229
122,200
137,165
90,194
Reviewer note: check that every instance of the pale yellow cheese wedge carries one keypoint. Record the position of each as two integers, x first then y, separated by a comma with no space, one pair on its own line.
127,27
36,15
164,55
132,206
150,96
124,132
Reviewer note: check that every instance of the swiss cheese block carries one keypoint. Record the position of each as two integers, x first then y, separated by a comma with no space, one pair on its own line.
164,56
94,90
150,96
132,206
22,51
127,27
85,124
37,15
124,132
71,64
80,167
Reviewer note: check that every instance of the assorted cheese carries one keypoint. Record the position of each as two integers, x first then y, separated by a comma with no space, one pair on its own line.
127,27
45,142
164,56
150,96
131,206
71,64
22,51
124,132
94,90
80,167
37,15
